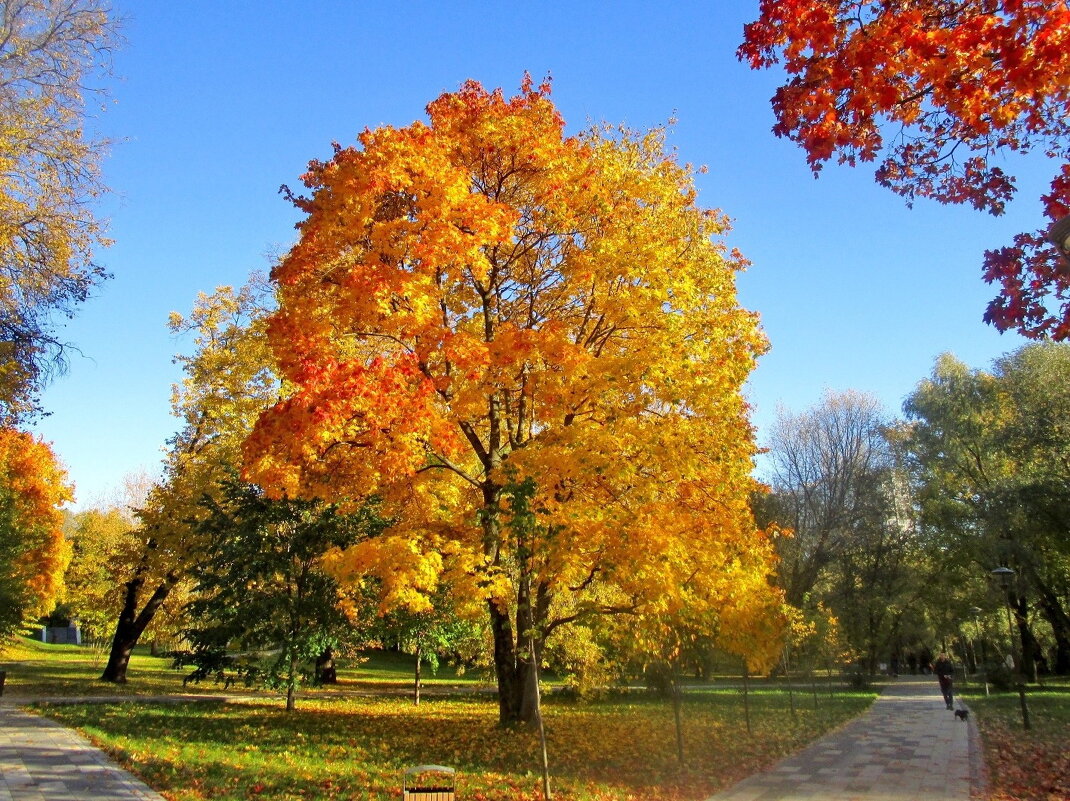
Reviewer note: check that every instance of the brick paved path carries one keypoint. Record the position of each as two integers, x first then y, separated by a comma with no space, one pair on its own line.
907,747
43,761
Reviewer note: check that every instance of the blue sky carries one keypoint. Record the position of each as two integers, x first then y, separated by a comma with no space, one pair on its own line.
218,102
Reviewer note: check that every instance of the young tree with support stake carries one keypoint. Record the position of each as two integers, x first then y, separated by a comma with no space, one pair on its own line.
264,609
480,303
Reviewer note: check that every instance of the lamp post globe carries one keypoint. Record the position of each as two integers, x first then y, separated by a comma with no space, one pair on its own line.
1059,235
1005,576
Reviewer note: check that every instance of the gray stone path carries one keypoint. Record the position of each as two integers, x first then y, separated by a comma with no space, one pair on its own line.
43,761
907,747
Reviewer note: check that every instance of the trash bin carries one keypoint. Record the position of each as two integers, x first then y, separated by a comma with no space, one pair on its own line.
428,783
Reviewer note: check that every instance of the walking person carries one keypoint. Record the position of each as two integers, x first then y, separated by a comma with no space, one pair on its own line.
944,670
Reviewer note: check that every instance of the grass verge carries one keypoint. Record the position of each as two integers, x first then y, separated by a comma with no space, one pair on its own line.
1023,765
36,669
339,747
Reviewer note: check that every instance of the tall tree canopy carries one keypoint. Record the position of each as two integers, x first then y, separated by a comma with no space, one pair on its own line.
937,93
826,465
992,456
529,347
49,174
33,551
837,483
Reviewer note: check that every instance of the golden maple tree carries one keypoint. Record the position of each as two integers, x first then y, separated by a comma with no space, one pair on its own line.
938,94
33,551
228,380
102,542
528,346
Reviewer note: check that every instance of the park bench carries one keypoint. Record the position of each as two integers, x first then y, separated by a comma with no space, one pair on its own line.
428,783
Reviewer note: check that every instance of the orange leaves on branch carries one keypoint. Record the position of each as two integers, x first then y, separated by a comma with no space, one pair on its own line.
980,76
34,554
480,303
934,92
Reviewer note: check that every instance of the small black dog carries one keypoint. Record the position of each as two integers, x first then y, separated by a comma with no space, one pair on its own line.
962,714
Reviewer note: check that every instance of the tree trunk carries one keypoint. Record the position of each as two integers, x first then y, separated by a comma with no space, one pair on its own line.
746,696
516,700
291,681
416,678
677,691
1060,627
514,684
1031,649
132,625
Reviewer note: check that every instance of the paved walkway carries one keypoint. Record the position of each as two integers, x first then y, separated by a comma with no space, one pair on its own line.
907,747
43,761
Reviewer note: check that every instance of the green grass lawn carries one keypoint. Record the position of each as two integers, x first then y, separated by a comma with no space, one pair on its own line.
356,748
341,746
390,668
1031,765
36,669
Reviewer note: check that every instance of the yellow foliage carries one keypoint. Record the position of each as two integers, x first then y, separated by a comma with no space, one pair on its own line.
49,176
229,379
482,303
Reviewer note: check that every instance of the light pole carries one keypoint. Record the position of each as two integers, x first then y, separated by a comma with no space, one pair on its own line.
1006,577
976,612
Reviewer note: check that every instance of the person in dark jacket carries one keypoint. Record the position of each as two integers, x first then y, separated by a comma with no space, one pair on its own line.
944,670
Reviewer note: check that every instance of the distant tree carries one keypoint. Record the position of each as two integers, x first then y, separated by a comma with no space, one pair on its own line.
480,303
881,575
824,465
33,551
432,635
837,484
264,610
938,93
228,379
991,453
49,51
101,541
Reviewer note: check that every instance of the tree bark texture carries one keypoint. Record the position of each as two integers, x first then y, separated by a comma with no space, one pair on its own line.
132,624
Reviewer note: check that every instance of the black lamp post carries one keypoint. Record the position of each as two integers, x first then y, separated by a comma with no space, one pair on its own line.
983,665
1006,578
